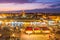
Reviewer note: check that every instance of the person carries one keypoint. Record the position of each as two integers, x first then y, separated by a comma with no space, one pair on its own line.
56,38
52,37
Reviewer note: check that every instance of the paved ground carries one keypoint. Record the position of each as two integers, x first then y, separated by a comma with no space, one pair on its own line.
34,37
24,36
58,36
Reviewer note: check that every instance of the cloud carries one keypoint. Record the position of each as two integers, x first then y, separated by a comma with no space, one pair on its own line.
29,6
27,1
25,6
13,1
55,5
46,1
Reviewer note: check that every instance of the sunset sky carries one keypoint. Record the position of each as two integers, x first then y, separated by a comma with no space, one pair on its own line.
13,5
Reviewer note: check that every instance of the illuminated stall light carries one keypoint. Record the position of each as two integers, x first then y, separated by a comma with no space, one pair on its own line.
26,24
13,24
1,17
34,24
52,22
31,23
0,22
43,24
52,17
57,19
6,23
13,35
38,23
17,23
20,23
11,20
59,23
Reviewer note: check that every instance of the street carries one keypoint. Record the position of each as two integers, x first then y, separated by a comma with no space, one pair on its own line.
24,36
58,36
37,37
33,37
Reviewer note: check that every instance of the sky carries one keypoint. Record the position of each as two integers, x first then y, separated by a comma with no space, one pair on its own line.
45,5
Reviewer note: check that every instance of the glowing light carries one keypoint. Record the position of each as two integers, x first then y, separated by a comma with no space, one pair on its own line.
0,34
13,35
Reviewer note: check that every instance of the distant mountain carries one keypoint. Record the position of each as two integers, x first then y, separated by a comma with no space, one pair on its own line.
45,10
56,10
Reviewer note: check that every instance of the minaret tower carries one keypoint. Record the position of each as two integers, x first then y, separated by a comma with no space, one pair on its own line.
23,14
